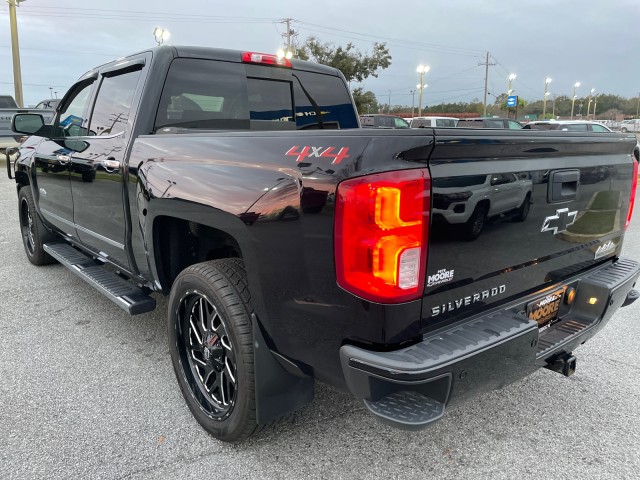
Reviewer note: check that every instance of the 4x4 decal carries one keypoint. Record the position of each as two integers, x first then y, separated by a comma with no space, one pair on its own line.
318,152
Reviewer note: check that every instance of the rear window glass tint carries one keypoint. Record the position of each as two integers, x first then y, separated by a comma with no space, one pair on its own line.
212,94
204,94
331,96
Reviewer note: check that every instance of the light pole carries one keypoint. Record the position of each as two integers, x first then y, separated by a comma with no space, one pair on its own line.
553,112
161,35
595,104
15,50
413,101
589,104
573,99
422,69
547,81
511,77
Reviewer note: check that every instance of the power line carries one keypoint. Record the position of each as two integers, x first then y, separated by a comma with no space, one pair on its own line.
432,46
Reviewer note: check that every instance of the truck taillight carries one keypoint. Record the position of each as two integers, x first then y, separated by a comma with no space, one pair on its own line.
381,235
265,59
632,199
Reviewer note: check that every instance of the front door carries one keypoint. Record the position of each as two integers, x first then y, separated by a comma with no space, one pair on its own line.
53,158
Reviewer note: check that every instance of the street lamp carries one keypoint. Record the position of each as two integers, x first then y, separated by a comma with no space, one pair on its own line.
161,35
573,99
413,101
422,69
547,81
595,104
589,104
282,54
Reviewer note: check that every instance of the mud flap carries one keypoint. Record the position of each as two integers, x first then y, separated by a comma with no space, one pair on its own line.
279,391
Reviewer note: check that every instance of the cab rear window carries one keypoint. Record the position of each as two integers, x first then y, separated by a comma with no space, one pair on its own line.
208,94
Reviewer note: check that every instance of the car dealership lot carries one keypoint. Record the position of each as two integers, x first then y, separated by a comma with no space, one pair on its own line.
87,391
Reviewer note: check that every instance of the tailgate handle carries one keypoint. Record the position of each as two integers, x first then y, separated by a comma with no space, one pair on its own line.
563,185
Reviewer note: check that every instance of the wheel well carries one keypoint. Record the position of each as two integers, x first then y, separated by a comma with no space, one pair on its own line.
22,180
180,243
484,204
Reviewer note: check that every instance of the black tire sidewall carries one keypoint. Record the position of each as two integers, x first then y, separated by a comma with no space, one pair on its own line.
40,234
470,231
241,421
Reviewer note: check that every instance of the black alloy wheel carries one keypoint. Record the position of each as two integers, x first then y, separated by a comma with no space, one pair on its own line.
211,346
474,226
208,353
523,211
33,232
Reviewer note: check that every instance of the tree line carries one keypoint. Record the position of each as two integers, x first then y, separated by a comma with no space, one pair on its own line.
357,66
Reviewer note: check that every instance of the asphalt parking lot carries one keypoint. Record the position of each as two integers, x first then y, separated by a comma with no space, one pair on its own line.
87,391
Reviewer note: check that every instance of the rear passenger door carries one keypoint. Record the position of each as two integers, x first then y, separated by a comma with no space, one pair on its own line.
98,167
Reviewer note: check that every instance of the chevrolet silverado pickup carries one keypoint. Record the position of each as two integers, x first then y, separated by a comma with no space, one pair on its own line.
295,246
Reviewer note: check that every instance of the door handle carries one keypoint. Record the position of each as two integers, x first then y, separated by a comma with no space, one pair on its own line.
111,165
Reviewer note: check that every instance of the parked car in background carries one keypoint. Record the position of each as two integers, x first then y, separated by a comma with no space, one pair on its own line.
50,103
488,122
8,108
383,121
423,122
632,125
567,126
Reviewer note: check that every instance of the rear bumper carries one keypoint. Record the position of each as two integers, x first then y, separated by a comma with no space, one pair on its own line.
410,388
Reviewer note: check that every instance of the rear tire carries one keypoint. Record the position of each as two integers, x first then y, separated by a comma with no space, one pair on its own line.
34,234
523,210
624,130
474,226
211,346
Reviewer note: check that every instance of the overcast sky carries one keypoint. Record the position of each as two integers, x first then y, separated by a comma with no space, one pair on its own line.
595,42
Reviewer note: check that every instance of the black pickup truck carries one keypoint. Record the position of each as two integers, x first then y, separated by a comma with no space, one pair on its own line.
295,245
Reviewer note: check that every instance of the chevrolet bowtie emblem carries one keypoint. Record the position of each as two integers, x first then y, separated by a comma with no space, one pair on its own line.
560,221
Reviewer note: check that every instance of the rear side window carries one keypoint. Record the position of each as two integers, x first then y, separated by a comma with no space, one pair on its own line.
211,94
111,111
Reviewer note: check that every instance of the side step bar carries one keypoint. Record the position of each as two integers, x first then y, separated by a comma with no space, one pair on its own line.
124,294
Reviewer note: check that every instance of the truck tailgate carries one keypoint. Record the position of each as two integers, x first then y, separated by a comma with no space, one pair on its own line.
518,212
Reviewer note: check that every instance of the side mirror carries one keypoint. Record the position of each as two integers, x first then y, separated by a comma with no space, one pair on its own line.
76,145
27,123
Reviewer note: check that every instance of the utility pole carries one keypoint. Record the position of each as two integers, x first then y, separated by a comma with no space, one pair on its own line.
638,107
15,49
389,109
289,34
486,81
